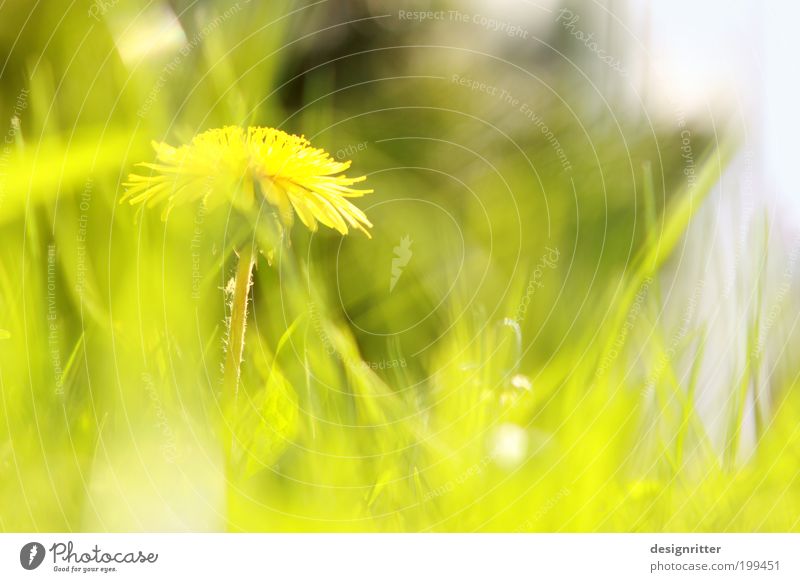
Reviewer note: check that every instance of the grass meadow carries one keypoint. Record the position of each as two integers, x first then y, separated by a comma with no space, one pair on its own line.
525,343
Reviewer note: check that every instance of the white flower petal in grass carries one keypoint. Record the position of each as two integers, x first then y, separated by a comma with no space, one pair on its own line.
522,382
509,445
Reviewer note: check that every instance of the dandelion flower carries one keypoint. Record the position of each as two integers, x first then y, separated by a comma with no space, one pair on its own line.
241,165
245,168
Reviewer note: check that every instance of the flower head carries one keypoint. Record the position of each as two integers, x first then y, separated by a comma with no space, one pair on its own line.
239,165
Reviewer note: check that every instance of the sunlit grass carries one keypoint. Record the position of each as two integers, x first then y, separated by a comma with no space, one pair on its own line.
519,374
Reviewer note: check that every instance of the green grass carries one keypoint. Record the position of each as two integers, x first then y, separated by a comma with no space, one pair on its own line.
436,406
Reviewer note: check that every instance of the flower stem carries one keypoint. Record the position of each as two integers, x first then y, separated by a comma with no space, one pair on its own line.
233,362
233,358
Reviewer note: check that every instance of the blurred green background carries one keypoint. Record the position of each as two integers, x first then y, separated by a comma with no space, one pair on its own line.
524,371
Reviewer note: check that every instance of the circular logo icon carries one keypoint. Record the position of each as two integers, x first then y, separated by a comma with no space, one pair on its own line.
31,555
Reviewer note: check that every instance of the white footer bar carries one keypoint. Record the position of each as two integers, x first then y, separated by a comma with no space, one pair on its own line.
401,557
